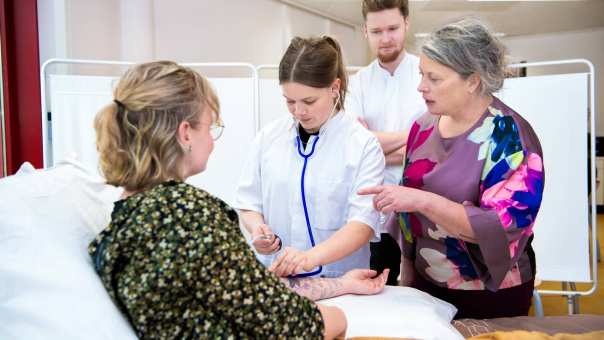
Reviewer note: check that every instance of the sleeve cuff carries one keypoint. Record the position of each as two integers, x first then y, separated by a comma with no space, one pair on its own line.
371,223
492,242
247,206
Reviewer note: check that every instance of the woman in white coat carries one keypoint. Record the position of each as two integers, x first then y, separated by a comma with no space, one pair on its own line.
298,191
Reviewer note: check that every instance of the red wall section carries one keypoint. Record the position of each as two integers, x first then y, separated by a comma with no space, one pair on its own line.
21,83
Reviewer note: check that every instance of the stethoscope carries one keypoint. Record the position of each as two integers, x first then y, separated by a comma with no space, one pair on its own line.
303,192
306,156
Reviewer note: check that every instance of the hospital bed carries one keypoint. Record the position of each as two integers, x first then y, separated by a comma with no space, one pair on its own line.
551,325
48,287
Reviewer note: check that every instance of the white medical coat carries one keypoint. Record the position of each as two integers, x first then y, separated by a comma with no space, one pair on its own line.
387,102
347,157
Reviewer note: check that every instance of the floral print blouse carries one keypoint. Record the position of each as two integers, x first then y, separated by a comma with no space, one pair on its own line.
495,170
176,264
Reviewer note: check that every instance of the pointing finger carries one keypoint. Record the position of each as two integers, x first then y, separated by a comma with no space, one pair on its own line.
370,190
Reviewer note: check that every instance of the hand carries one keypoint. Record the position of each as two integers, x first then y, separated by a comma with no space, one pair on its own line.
291,261
264,240
363,122
394,198
365,281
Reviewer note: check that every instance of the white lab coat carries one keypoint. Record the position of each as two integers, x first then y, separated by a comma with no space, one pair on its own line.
347,157
387,102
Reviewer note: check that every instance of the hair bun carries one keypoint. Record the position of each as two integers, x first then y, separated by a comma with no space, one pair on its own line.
332,42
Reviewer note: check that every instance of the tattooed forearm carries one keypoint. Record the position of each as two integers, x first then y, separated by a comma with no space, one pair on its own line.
316,288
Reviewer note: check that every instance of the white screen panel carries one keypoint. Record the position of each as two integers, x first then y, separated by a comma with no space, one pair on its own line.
272,104
231,150
75,100
556,107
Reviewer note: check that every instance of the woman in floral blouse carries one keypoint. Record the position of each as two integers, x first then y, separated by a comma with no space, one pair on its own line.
173,258
472,183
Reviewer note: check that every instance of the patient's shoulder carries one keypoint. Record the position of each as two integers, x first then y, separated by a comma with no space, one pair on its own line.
187,201
175,204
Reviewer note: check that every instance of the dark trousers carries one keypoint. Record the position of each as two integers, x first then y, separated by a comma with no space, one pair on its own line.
386,254
482,304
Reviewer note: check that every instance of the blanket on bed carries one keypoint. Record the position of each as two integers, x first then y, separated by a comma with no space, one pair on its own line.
525,335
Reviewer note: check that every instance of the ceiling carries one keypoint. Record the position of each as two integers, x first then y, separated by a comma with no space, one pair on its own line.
509,17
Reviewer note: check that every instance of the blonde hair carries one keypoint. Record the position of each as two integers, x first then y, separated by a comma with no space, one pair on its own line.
136,135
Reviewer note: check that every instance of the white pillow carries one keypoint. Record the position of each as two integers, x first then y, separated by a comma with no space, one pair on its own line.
400,312
48,286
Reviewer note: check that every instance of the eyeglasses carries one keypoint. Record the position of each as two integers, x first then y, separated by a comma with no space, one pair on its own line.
216,130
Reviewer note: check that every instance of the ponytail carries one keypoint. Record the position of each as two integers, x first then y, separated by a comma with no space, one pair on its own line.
341,70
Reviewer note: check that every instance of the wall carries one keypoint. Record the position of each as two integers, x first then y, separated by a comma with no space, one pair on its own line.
79,29
567,45
20,83
51,29
185,30
93,29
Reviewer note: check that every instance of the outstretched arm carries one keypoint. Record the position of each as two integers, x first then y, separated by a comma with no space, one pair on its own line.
440,210
357,281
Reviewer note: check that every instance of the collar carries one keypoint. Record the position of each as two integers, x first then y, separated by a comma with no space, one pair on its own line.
293,131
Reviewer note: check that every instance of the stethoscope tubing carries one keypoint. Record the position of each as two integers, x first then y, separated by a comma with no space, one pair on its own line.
308,226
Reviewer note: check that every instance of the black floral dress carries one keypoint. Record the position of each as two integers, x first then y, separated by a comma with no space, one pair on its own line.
174,261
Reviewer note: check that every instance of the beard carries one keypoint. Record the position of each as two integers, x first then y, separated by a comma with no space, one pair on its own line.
385,58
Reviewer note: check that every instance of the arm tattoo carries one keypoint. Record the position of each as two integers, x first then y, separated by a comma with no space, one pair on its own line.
316,288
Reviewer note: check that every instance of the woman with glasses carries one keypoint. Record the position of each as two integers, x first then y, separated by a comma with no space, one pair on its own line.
173,258
297,193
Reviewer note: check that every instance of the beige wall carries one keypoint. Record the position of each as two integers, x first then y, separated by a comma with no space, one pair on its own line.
225,31
93,29
51,29
79,29
568,45
256,31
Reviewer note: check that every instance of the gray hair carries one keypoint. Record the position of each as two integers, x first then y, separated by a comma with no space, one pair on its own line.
467,46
